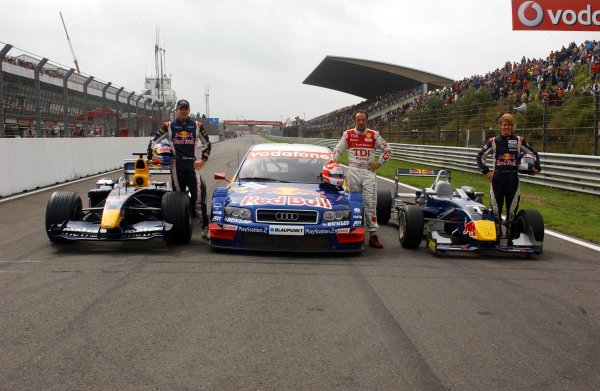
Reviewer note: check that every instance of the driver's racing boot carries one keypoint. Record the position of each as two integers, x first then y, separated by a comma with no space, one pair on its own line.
374,242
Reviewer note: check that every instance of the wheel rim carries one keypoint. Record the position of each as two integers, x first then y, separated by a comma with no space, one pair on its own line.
401,226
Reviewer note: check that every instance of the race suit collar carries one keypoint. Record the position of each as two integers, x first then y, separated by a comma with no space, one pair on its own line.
177,120
359,132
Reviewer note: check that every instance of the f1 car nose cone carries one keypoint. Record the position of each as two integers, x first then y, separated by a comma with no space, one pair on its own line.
485,230
110,218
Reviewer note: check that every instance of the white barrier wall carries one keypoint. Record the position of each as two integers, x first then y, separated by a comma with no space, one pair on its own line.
29,163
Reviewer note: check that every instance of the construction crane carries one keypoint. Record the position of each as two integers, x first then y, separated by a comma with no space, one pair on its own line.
70,45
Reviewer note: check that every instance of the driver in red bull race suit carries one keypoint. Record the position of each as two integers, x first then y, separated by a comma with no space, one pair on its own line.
184,133
361,144
505,149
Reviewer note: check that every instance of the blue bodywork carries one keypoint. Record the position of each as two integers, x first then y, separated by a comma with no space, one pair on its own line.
286,217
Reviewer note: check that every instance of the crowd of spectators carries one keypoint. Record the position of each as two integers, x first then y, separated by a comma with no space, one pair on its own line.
551,77
520,82
344,115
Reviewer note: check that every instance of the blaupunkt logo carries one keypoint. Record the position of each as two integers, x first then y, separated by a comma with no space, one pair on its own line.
530,14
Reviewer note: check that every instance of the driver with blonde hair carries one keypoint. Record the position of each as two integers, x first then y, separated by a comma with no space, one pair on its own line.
505,149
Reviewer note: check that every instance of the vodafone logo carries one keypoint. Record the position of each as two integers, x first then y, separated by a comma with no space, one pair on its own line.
531,14
580,15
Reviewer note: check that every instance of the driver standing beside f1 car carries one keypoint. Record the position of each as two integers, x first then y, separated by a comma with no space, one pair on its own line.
504,177
184,133
361,144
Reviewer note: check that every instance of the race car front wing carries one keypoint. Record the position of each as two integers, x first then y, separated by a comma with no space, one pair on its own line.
437,242
83,230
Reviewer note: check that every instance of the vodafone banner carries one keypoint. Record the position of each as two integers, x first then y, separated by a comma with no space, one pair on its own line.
571,15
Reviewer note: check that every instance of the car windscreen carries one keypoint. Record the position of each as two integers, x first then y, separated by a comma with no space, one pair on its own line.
282,169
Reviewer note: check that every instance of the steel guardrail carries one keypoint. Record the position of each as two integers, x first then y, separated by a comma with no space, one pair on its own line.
580,173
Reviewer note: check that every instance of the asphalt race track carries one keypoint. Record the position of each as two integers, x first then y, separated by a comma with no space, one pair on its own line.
143,315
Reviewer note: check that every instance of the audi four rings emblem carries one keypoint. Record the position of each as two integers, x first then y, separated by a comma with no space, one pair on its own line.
286,216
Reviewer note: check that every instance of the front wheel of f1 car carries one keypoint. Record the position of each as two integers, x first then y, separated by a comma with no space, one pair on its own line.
62,206
530,221
384,206
176,211
410,226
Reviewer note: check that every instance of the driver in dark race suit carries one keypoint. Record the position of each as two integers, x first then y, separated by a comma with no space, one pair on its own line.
184,134
361,144
504,177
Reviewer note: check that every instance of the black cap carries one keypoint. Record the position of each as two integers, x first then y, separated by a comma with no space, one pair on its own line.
181,103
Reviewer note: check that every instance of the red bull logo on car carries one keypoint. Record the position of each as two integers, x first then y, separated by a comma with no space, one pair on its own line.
419,171
286,200
469,229
484,230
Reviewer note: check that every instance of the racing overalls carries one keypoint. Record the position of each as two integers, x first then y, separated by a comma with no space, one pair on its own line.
505,182
184,137
361,154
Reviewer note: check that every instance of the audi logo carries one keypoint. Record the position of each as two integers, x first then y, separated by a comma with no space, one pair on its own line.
286,216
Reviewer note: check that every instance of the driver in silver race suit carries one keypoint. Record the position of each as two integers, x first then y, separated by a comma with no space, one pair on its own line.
361,144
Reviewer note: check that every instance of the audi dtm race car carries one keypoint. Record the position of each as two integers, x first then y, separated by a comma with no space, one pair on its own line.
285,197
456,220
125,209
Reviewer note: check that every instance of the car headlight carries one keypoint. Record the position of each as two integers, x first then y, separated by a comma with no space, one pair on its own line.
238,213
336,215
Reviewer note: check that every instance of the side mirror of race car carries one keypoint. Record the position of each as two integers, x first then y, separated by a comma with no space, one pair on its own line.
221,176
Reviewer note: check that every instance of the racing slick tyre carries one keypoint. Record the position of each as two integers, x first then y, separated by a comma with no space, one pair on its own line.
176,210
384,206
410,226
62,206
529,221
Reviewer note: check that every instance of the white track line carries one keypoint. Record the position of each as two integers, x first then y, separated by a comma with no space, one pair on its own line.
26,193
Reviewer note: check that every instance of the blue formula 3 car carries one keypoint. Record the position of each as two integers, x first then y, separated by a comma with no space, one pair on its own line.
456,220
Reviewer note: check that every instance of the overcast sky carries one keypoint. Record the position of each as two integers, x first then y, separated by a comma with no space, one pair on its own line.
253,55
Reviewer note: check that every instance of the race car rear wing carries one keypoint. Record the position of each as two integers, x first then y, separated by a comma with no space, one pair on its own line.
421,172
410,198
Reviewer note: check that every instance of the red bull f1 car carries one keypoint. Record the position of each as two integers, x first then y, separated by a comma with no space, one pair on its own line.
456,220
278,201
134,207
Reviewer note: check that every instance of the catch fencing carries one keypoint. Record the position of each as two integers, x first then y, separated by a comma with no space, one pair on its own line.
39,98
568,125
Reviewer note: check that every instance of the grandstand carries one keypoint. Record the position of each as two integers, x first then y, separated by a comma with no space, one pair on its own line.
557,99
48,100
